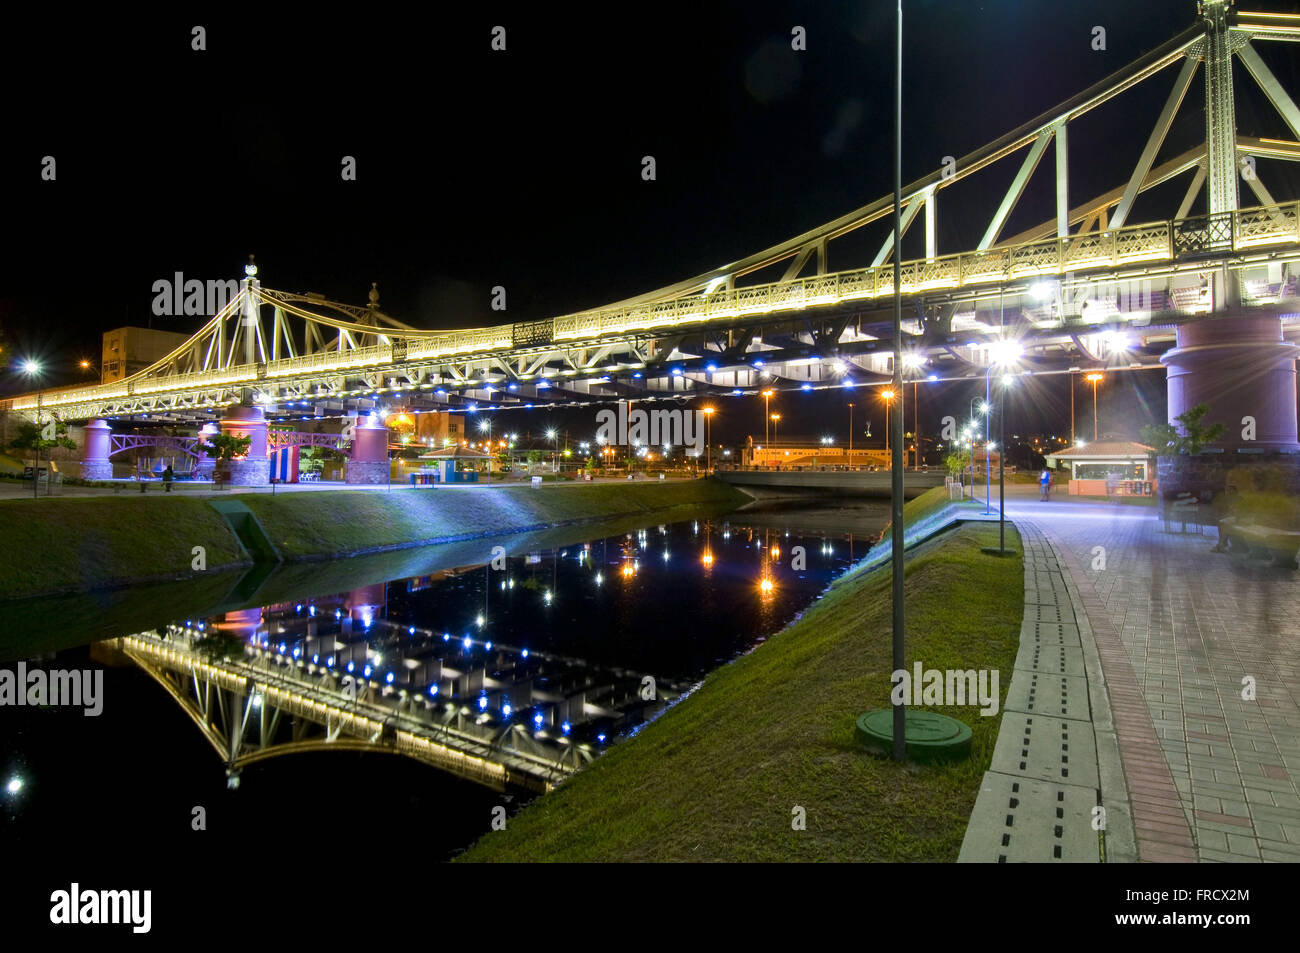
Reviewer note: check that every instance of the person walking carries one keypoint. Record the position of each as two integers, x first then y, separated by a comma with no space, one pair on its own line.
1045,483
168,476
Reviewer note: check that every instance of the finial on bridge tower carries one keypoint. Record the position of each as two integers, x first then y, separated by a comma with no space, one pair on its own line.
251,268
374,296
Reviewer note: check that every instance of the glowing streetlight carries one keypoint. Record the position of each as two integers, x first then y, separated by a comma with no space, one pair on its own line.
887,395
767,407
708,439
33,369
1094,379
776,419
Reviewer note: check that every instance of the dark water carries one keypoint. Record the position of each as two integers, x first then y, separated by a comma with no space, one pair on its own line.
559,638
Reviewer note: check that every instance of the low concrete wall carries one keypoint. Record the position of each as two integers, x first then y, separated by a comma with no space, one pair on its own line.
857,482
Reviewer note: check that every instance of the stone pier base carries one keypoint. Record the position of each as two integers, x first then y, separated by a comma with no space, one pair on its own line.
252,472
363,472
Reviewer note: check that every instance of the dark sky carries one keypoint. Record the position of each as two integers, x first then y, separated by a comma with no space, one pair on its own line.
477,168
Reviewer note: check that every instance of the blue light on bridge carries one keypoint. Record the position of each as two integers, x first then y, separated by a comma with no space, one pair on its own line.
311,611
315,660
506,710
538,719
446,636
566,727
805,387
601,737
297,653
711,367
488,646
637,374
366,671
467,643
389,678
482,703
756,364
525,653
351,665
411,631
433,689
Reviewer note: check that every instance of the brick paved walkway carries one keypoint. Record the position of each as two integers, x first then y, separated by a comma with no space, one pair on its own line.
1211,776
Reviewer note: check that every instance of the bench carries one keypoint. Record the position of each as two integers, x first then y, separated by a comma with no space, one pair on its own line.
1186,509
1255,539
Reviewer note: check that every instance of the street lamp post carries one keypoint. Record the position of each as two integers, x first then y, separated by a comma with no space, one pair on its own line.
776,420
33,370
486,427
1007,352
767,407
850,433
887,395
554,436
708,440
1094,378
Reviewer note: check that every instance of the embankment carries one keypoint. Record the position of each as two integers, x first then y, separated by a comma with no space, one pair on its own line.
768,739
97,543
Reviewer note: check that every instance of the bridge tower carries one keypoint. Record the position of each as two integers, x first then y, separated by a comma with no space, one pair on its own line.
369,460
96,440
206,464
1220,114
1241,366
247,420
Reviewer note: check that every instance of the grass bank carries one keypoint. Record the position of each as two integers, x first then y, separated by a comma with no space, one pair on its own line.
718,776
367,521
78,544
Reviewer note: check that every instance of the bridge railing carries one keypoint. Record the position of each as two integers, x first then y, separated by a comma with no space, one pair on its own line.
1248,228
1159,241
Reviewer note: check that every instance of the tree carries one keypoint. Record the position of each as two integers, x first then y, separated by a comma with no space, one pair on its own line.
535,456
224,447
1193,437
955,464
29,438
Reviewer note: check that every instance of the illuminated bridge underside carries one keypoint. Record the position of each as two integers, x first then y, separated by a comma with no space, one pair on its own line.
249,712
1058,285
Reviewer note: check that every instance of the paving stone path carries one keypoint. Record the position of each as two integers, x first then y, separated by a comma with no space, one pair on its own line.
1208,774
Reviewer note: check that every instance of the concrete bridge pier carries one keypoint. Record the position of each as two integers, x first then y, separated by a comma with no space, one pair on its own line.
368,463
1245,370
206,464
247,420
95,464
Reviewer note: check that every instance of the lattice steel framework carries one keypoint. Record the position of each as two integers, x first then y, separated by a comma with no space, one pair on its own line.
290,347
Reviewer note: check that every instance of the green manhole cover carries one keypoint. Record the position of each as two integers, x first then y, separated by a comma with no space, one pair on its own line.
928,735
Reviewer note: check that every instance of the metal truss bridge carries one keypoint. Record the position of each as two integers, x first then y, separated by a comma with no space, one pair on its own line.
502,718
1087,288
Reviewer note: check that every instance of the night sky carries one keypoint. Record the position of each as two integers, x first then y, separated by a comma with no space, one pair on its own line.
522,168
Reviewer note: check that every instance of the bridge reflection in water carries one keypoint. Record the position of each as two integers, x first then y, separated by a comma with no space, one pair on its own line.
350,672
347,672
496,714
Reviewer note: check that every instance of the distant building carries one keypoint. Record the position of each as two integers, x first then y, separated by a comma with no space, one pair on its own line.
130,350
1107,467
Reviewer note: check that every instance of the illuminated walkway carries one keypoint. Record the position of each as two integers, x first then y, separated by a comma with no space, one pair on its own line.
1211,776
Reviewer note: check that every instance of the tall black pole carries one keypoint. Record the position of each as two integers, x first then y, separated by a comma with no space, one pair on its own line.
1002,480
896,484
